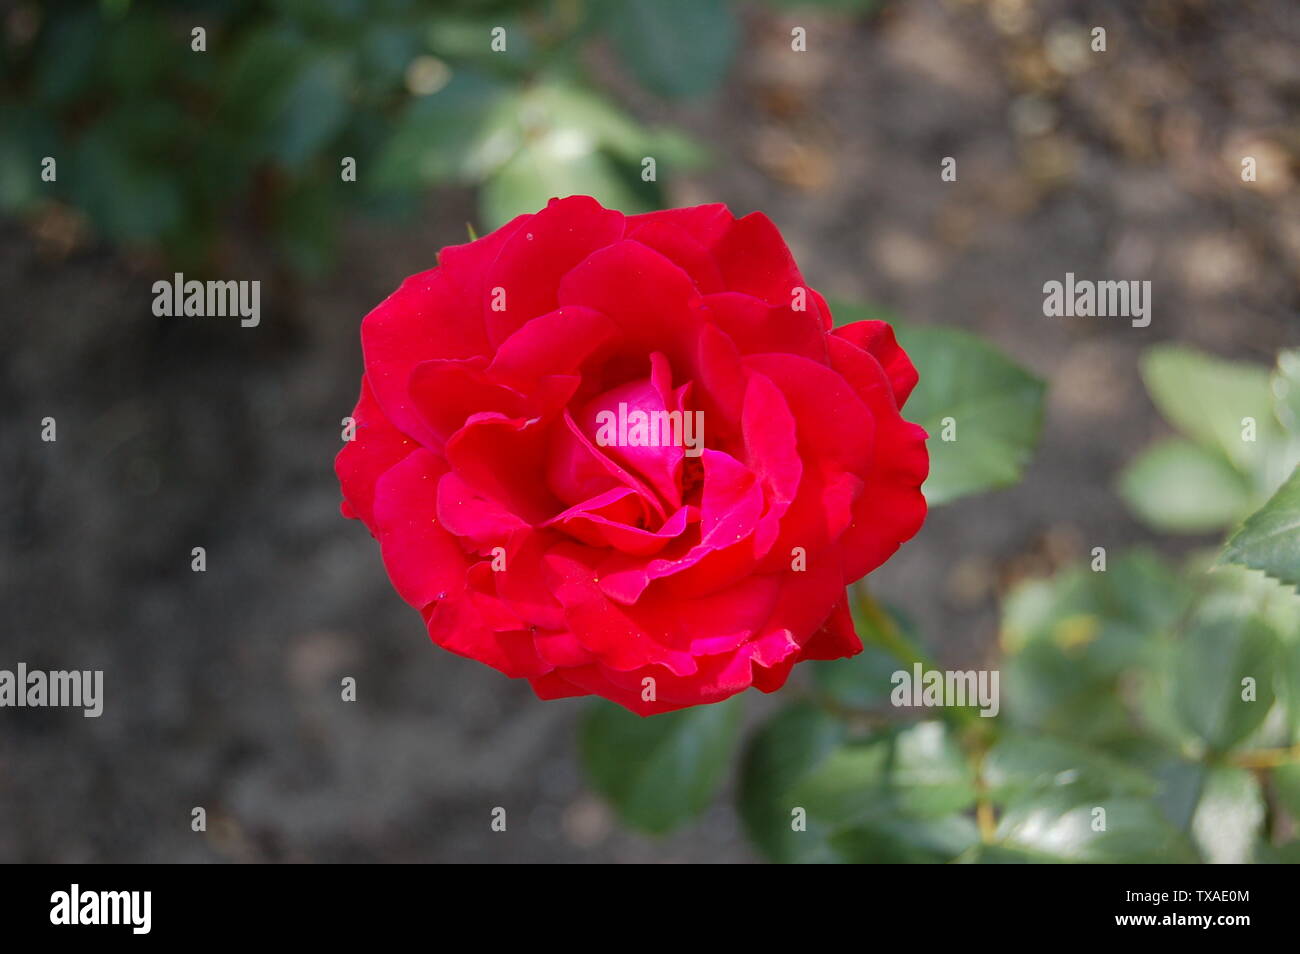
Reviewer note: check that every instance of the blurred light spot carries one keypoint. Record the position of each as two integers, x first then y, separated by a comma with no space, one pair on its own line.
425,75
1010,16
1032,115
568,143
587,822
1067,48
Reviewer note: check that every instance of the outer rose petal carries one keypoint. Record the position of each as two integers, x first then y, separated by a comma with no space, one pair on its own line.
891,508
359,465
846,434
458,625
877,339
422,320
755,260
652,300
837,638
448,393
757,327
707,224
682,249
538,255
424,561
469,262
558,342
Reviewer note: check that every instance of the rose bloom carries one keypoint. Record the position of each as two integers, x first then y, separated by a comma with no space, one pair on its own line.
658,577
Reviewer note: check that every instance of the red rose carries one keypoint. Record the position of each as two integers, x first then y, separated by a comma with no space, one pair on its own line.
500,458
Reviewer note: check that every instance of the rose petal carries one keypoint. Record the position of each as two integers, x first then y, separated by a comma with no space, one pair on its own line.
376,447
653,301
533,260
754,260
757,327
877,339
424,561
558,342
424,319
891,507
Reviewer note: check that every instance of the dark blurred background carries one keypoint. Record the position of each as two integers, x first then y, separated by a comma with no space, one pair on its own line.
223,687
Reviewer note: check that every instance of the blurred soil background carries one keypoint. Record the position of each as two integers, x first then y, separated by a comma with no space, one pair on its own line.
223,687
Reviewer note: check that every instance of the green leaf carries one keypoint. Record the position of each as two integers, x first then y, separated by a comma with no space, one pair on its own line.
385,51
568,142
675,47
1245,624
562,105
305,217
1069,639
893,798
995,406
1181,487
861,682
1114,607
918,772
901,840
28,139
660,771
1288,683
1286,783
1222,647
470,38
1000,855
1287,854
558,164
1247,591
1207,399
1229,816
1054,826
285,96
1020,765
460,134
1285,388
1181,783
71,52
846,313
126,198
1269,540
312,108
138,53
784,751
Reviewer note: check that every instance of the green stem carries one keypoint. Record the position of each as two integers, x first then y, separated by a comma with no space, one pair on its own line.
886,634
1266,758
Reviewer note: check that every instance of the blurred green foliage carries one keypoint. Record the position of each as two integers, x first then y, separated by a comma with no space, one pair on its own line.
165,146
1238,439
1150,711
